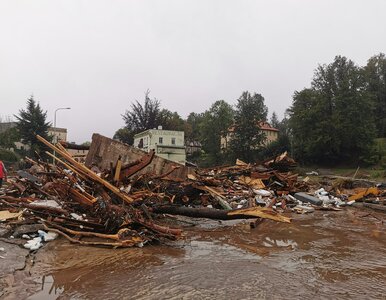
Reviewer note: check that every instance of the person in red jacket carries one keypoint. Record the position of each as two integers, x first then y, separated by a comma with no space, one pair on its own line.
3,173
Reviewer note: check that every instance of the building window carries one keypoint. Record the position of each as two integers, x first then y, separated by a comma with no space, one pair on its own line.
173,141
160,140
140,144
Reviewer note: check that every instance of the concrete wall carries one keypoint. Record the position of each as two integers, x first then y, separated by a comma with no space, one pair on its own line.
104,151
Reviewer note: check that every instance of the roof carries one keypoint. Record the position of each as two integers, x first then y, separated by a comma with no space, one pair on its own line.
262,125
149,131
267,126
57,129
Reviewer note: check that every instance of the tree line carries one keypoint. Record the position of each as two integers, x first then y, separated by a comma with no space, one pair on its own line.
337,119
207,128
339,116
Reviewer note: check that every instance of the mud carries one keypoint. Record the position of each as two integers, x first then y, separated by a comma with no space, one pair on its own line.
325,255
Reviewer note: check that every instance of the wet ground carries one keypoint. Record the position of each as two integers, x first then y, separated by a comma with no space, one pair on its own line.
324,255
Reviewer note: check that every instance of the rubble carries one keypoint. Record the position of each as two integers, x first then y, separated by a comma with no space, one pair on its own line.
119,198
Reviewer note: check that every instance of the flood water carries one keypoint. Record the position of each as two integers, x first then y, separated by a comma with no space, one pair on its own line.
324,255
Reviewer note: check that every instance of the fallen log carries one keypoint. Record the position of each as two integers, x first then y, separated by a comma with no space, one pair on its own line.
219,214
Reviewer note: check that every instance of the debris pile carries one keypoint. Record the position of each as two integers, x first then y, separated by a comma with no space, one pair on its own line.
123,206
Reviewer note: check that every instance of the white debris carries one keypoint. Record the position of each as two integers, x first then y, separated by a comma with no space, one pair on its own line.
339,202
127,189
2,249
326,200
50,203
34,244
261,192
76,216
292,198
313,173
26,236
50,236
321,192
304,209
79,187
260,200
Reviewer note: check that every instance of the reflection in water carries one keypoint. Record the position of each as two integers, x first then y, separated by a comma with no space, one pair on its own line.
334,255
49,289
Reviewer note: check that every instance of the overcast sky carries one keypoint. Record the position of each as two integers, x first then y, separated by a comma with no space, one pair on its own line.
98,56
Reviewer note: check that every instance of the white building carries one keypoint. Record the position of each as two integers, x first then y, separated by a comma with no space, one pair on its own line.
168,144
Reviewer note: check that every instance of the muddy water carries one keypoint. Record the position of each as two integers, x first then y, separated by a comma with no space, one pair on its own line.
325,255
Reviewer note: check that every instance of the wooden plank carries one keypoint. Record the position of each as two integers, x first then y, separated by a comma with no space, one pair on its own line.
90,174
118,169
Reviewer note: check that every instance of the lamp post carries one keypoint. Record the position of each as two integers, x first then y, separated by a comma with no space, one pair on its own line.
55,136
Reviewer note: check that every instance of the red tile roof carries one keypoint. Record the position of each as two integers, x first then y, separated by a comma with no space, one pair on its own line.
262,125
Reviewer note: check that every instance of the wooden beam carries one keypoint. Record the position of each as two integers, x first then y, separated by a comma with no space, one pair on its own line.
90,174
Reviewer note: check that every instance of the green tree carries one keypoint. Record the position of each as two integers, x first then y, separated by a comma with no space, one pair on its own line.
144,116
149,115
306,123
32,122
328,121
214,125
274,120
9,137
192,126
124,135
171,120
247,137
375,76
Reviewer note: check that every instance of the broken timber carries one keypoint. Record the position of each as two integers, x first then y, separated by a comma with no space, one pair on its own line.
86,170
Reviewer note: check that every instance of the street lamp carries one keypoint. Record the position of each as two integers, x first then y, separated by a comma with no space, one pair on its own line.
55,136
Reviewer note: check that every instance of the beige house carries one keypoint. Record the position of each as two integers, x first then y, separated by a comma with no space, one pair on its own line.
58,134
168,144
270,132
